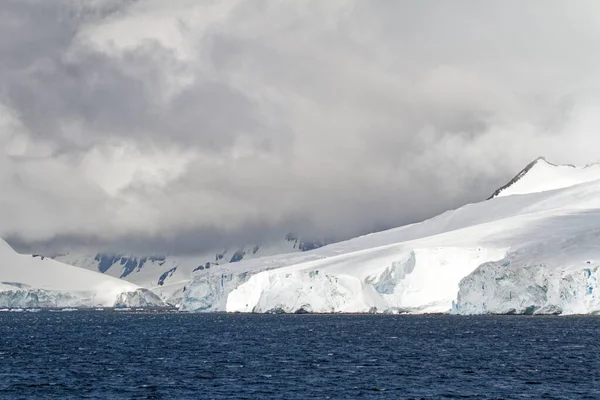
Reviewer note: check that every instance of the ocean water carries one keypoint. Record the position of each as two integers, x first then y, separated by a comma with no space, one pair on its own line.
116,355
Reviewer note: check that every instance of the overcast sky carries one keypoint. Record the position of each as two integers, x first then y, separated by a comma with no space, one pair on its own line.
180,126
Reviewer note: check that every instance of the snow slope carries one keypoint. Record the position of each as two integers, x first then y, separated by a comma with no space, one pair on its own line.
37,282
167,276
526,253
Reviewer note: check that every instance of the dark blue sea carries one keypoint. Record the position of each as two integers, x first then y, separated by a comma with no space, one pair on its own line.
116,355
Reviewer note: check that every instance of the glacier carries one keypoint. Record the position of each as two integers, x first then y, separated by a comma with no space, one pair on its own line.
29,281
530,249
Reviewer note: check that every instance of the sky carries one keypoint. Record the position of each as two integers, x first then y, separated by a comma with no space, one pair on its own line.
182,126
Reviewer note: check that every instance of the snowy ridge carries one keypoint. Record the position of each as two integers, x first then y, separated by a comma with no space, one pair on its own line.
532,253
38,282
541,175
517,177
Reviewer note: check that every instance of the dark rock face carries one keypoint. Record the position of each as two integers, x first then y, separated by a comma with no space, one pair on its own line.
238,256
304,245
164,276
518,176
277,310
106,261
202,267
129,264
309,245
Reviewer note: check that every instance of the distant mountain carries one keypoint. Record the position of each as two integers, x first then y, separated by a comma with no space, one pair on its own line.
168,276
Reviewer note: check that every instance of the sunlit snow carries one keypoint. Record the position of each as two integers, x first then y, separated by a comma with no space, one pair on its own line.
537,252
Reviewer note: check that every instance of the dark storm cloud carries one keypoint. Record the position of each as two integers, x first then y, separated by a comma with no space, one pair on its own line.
180,127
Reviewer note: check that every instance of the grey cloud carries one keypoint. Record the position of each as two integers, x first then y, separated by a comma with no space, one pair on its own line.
330,119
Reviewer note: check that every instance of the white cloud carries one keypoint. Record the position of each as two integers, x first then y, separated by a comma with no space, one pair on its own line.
145,125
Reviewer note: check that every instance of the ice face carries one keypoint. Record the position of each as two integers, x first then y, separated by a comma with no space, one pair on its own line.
564,282
39,298
297,291
143,298
539,289
17,297
209,290
422,280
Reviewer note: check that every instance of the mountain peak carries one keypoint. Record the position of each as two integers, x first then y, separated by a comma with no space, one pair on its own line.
519,176
541,175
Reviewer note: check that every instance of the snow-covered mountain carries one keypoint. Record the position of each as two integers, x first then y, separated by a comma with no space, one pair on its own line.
28,281
541,175
534,247
167,276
